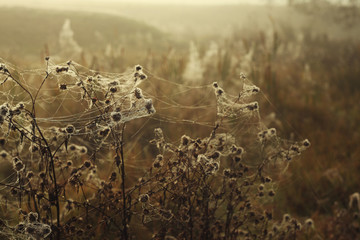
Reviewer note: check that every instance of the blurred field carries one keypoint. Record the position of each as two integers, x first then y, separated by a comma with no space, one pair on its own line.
307,67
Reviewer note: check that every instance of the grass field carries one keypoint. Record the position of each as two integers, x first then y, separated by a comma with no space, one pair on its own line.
204,175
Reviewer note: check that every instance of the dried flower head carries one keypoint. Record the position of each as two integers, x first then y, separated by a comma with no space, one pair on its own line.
32,217
29,174
70,129
18,164
309,223
138,68
149,106
63,86
4,154
306,143
138,93
144,198
355,200
116,116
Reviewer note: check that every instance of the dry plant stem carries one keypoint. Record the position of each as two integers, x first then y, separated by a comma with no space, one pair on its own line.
34,200
125,232
52,166
27,91
229,215
33,116
191,223
22,131
18,188
206,231
42,83
185,193
21,188
104,214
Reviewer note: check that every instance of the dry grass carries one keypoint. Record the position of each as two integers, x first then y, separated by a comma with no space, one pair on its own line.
81,159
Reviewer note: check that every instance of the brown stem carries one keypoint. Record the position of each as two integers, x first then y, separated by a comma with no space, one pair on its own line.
125,232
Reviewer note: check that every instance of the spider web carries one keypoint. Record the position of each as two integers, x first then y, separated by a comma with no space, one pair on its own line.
87,109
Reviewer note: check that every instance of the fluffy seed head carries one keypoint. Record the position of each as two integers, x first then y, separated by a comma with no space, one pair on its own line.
70,129
116,116
144,198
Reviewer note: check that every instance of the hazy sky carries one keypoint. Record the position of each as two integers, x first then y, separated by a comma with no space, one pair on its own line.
64,3
187,2
198,2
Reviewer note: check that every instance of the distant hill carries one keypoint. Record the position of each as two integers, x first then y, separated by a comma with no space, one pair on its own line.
221,20
27,31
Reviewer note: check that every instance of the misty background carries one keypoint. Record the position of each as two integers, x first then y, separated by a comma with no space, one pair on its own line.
176,21
303,54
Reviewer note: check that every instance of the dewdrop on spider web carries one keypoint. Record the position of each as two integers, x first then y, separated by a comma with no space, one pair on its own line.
33,228
221,142
234,107
139,107
275,151
266,135
248,89
297,148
